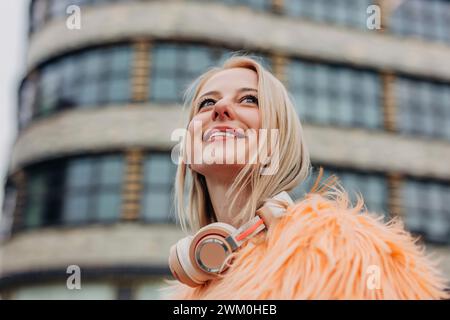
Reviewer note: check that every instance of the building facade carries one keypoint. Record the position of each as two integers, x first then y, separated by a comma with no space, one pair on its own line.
90,179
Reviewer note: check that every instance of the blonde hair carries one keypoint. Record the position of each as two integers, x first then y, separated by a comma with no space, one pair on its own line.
277,112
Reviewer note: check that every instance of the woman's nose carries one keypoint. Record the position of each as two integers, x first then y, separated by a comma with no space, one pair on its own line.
222,111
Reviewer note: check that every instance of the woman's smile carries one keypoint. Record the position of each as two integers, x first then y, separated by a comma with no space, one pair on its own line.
222,133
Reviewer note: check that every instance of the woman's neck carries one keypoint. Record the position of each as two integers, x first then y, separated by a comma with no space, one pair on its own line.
217,189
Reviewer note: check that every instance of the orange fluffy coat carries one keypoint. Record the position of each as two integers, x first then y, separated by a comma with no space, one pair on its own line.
325,248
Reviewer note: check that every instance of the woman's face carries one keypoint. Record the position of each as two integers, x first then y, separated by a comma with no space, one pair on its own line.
226,108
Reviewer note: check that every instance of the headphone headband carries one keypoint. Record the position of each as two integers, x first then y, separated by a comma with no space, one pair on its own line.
196,259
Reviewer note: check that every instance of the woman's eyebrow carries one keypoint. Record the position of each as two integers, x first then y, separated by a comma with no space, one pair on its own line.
217,92
247,89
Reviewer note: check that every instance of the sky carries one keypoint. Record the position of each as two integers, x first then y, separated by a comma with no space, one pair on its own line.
13,26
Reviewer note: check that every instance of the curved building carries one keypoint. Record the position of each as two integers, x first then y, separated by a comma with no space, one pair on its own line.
90,177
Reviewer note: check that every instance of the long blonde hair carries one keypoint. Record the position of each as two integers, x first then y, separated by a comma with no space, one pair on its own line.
277,112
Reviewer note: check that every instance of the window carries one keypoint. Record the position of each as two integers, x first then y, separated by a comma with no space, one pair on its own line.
49,89
426,19
423,107
175,66
44,10
372,186
74,191
43,194
38,12
264,5
343,12
27,100
159,177
57,8
93,77
102,76
93,189
329,94
35,204
349,13
427,209
9,207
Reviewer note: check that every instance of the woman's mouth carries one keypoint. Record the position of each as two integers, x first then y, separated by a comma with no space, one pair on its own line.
214,135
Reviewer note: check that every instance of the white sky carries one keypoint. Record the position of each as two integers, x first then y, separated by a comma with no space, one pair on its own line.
13,28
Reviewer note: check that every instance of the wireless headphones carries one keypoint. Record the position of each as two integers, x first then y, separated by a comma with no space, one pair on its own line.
196,259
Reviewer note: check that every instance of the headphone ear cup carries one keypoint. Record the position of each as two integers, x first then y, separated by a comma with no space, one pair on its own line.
182,261
176,268
183,267
214,252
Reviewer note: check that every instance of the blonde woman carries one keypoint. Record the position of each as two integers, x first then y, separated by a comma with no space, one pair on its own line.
246,238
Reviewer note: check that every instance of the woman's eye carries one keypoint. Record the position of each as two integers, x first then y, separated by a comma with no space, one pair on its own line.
206,102
250,99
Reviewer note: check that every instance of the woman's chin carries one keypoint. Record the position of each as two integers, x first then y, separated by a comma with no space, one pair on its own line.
218,169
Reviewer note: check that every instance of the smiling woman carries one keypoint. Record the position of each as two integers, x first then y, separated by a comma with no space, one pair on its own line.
250,239
244,98
229,104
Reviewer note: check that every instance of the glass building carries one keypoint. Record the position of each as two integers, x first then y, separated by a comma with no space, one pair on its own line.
90,179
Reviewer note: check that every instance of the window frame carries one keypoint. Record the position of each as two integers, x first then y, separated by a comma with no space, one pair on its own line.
309,88
52,200
149,186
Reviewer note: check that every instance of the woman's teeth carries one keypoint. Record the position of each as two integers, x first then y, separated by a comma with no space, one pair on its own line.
222,134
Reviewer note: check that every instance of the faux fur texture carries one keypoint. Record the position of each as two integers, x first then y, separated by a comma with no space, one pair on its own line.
325,248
